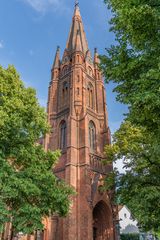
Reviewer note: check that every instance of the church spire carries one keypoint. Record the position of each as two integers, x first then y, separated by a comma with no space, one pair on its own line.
56,63
77,32
77,10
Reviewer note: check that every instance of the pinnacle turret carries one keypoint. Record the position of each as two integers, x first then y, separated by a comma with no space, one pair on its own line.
56,63
96,58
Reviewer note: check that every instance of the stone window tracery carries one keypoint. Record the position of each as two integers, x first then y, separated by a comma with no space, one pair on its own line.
92,136
65,70
63,135
90,90
65,91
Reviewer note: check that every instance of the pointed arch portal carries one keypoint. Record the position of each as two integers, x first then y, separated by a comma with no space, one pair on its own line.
102,222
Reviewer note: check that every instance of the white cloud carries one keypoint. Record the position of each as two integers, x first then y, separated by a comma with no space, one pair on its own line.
119,165
45,5
1,44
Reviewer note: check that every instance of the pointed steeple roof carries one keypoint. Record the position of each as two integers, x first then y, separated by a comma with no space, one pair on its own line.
56,63
96,58
77,34
78,45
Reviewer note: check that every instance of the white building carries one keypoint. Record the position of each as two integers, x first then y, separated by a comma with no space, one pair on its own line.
127,224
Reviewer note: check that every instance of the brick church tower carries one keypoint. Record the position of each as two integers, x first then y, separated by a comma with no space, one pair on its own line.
78,117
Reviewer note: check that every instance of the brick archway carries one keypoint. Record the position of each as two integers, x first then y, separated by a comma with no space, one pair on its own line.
102,222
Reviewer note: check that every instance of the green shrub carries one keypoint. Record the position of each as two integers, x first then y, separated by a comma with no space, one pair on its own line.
129,236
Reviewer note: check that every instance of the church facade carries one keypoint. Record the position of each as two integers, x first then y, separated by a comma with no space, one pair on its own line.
78,117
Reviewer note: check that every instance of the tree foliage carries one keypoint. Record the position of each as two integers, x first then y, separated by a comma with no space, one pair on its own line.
133,64
29,191
139,186
129,236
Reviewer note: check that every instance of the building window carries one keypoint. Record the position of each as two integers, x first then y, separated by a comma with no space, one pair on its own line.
78,58
92,136
65,86
63,135
90,96
90,72
65,92
65,70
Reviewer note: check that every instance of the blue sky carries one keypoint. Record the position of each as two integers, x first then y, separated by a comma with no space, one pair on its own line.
30,31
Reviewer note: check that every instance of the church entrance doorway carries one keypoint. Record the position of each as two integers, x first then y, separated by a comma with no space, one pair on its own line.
101,222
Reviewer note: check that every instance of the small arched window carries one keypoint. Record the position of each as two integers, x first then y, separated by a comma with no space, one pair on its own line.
78,78
92,136
90,96
65,86
78,60
63,135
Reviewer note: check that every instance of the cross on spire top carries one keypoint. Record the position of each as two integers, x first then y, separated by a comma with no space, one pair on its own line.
76,3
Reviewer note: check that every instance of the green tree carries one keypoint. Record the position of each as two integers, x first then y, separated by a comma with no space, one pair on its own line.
139,186
29,191
133,64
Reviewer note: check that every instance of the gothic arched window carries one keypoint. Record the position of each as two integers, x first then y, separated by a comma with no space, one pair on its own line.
90,96
63,135
65,70
65,92
92,136
90,72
